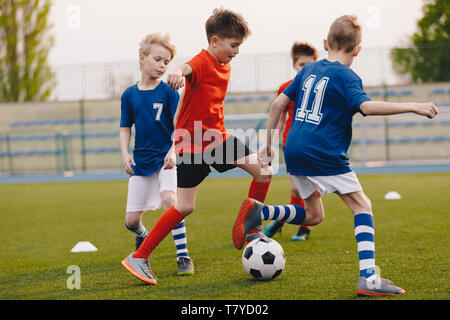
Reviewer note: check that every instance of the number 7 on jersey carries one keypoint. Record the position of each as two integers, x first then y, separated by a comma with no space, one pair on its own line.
158,106
313,114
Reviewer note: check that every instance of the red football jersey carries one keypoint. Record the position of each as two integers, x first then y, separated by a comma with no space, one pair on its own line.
202,108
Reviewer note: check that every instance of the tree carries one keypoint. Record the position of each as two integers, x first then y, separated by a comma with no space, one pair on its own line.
24,46
428,57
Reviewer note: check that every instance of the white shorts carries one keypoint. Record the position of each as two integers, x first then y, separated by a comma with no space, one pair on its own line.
144,192
342,183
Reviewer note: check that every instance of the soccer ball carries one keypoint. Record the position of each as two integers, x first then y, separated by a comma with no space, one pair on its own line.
263,258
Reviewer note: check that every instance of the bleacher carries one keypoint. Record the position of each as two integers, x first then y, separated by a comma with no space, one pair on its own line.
63,140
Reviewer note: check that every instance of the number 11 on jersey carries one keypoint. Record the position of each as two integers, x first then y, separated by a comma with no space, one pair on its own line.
313,114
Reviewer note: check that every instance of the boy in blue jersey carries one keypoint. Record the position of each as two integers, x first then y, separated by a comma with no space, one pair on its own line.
150,105
327,94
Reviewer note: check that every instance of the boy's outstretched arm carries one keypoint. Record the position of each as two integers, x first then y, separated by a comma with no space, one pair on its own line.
427,109
176,77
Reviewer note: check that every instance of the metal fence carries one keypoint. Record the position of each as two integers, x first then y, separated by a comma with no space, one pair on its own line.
78,128
250,73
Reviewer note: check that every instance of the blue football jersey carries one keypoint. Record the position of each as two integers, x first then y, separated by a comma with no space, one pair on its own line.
327,95
152,113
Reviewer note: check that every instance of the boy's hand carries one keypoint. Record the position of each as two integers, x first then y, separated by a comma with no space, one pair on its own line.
127,162
266,155
175,79
427,109
170,160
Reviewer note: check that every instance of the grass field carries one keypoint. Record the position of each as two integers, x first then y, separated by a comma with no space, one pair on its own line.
41,223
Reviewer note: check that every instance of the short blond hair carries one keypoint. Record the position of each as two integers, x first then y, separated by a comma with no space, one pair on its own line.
345,33
156,38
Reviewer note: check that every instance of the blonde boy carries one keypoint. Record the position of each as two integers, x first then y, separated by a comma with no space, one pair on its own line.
150,106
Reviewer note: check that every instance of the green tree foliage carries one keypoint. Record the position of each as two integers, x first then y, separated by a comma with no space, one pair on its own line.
428,57
24,46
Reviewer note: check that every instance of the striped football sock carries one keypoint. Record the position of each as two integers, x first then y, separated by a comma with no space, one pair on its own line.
292,213
180,239
365,239
139,229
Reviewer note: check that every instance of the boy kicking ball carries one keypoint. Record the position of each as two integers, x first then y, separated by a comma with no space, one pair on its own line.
201,139
327,94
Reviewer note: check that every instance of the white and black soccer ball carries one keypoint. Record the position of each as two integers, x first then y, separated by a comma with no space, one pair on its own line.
264,259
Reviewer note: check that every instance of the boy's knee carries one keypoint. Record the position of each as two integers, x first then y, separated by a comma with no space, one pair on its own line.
362,204
132,220
185,210
315,219
264,174
294,191
168,199
168,202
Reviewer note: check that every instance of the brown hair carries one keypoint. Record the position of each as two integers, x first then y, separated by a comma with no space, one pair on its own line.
303,49
156,38
226,24
344,34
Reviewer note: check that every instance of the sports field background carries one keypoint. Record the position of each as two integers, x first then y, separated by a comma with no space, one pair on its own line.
42,222
47,137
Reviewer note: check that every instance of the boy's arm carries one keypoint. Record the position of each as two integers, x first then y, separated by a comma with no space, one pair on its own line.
427,109
170,158
176,77
281,122
124,138
278,105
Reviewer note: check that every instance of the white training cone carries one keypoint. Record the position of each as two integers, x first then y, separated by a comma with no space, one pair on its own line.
83,246
392,195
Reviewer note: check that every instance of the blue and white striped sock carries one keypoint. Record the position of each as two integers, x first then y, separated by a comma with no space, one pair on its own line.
139,229
180,239
365,239
292,213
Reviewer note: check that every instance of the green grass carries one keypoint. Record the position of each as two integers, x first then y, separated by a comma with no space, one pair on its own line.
41,223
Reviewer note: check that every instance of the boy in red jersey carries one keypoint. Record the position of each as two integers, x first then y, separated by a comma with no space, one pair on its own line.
302,53
201,140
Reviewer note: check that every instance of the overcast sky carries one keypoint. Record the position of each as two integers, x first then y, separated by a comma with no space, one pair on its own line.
96,31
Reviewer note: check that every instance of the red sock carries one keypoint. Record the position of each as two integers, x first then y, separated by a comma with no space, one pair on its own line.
258,190
169,220
299,201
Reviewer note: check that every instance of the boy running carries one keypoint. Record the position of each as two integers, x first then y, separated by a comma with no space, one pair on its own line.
150,105
302,53
327,94
201,139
